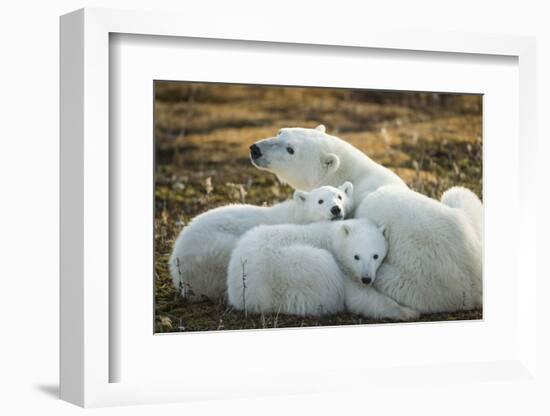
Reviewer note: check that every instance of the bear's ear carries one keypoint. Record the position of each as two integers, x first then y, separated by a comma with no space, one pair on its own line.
383,230
346,229
347,187
300,196
330,162
321,128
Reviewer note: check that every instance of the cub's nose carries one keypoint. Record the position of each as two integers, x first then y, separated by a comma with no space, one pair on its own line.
255,151
366,280
335,210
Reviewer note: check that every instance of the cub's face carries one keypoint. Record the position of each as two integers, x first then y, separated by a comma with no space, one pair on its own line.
297,156
363,248
325,203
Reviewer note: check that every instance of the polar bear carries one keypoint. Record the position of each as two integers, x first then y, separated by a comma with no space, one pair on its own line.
198,264
412,266
312,269
308,158
434,262
462,198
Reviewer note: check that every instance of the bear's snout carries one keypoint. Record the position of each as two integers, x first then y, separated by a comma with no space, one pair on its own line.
335,210
366,280
255,151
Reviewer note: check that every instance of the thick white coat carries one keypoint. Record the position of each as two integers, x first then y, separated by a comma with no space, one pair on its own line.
462,198
434,262
311,269
198,264
435,248
309,158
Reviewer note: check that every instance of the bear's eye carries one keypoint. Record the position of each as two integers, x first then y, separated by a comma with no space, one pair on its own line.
339,196
321,201
290,150
375,256
356,257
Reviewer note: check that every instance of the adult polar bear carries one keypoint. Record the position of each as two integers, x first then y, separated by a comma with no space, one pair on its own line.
307,158
434,262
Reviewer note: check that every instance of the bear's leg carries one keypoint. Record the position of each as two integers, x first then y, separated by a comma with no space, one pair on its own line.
367,301
389,282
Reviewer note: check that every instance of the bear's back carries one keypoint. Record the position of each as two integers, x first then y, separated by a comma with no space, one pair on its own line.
420,230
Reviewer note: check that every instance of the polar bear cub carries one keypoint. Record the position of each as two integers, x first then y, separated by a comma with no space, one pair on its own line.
308,158
198,264
311,269
435,259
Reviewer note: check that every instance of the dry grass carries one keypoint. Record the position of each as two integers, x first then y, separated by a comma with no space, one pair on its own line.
202,136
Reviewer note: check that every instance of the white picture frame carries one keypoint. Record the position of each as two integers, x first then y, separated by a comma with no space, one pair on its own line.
86,355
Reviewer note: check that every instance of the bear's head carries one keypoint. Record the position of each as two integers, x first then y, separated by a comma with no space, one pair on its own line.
360,247
325,203
298,156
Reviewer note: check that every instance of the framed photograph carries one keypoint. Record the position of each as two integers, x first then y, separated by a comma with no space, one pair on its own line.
241,213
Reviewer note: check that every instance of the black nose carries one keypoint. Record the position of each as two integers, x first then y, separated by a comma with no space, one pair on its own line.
255,151
336,210
366,280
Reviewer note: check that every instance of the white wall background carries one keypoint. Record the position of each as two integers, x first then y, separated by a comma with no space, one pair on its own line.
29,183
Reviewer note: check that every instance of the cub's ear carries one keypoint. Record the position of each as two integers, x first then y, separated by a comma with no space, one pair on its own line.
383,230
321,128
330,162
347,187
300,196
346,229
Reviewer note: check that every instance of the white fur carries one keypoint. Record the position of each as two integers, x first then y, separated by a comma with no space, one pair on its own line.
311,269
371,303
198,264
464,199
321,159
434,263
